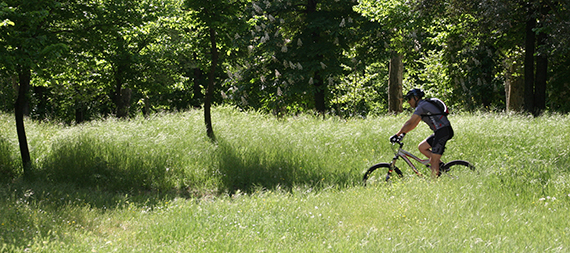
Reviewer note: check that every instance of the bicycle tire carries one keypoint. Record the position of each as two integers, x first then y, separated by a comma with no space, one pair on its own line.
457,167
374,176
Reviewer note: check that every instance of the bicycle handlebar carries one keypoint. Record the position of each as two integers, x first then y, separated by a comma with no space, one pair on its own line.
401,138
399,142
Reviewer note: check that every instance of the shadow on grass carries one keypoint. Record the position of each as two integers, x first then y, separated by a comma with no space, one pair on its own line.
81,176
87,162
248,169
85,176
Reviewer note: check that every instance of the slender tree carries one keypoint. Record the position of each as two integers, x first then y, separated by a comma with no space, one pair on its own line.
29,40
404,23
222,19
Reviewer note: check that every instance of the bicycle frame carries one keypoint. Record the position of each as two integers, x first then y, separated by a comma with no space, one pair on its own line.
406,156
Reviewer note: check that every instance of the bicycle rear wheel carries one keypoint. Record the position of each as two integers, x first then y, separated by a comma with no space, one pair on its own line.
457,167
376,175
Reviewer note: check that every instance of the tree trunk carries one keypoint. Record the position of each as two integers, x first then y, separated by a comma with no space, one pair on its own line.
210,89
529,63
24,80
540,78
396,76
197,88
121,96
319,97
40,111
514,90
541,68
79,112
197,97
319,83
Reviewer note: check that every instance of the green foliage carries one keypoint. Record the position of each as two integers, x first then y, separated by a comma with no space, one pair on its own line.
115,46
361,94
559,86
277,56
301,50
28,38
7,94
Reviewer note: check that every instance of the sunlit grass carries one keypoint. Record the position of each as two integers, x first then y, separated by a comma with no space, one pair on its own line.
283,185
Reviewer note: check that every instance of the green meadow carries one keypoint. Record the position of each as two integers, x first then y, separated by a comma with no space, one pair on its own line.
289,184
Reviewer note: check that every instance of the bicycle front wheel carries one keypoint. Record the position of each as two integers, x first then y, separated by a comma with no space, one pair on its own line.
379,173
457,167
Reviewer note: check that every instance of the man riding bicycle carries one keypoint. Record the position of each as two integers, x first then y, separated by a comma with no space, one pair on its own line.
434,145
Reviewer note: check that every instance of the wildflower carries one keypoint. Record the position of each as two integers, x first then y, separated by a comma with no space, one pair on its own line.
271,18
257,8
266,37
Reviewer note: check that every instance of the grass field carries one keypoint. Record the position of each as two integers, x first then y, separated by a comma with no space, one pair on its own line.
282,185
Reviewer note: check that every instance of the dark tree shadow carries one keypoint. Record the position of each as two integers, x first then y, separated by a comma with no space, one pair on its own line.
248,170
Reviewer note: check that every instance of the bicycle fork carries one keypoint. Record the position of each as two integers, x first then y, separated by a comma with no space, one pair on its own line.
393,168
397,170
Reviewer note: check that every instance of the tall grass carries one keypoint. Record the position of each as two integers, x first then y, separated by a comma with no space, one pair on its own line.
283,185
7,166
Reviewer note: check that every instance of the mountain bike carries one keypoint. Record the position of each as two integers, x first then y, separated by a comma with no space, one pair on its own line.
375,174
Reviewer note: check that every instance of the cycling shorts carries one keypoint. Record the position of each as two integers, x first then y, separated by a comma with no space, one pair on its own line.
438,140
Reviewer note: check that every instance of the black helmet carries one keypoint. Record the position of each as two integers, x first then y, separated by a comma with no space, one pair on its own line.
415,93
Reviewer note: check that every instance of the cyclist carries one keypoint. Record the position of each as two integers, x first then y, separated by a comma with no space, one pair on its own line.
434,145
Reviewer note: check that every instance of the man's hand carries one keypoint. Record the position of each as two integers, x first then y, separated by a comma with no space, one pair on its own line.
397,138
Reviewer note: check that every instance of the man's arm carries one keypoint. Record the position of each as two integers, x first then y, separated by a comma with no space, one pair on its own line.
410,124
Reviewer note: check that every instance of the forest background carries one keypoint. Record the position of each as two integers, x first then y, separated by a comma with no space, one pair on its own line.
76,61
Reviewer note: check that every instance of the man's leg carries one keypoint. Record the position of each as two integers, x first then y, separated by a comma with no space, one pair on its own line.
425,148
434,159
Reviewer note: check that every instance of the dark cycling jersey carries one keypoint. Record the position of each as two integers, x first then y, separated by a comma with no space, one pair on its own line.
435,122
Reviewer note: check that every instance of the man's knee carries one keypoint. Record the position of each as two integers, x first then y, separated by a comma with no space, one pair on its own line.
424,145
